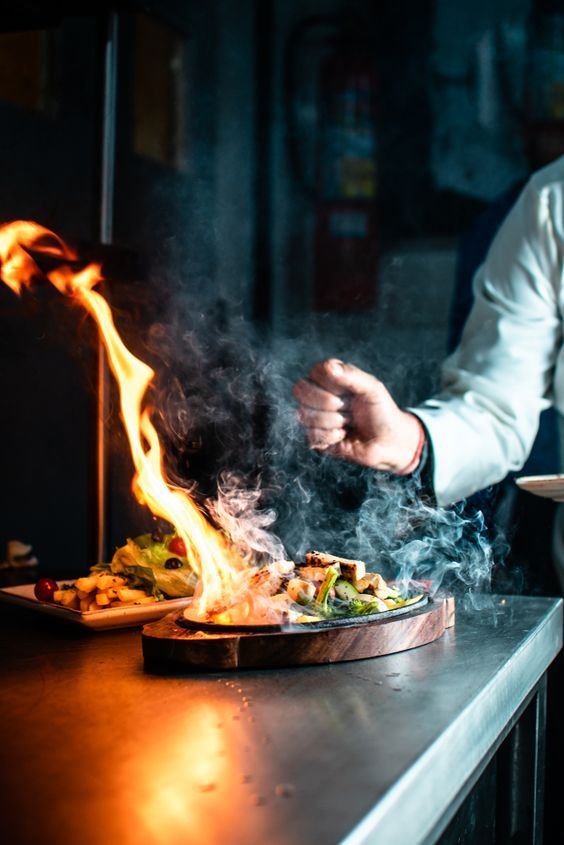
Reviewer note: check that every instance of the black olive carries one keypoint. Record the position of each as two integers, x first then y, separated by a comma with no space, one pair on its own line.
157,536
173,563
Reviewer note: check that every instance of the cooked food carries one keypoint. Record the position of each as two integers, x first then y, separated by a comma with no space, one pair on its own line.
347,588
153,567
150,568
156,563
96,592
351,569
324,587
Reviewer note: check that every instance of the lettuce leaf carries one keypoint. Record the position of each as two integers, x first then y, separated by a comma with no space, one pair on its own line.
145,567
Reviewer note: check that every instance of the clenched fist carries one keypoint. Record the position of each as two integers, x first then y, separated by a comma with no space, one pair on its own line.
351,415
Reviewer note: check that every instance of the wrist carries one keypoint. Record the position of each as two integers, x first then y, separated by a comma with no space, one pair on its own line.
415,459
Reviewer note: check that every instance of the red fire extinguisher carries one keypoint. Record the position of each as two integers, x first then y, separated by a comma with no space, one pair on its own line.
347,242
344,186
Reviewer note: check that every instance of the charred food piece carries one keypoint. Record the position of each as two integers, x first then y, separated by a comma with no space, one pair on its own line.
371,582
375,585
351,570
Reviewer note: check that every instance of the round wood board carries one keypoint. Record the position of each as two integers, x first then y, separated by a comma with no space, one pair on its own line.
169,646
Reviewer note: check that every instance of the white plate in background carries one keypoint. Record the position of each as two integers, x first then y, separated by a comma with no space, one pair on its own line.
114,617
547,486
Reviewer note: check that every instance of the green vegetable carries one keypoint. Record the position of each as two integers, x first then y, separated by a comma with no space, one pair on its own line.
359,607
331,576
145,541
145,567
345,590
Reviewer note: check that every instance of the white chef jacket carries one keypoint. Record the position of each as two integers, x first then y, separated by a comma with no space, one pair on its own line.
509,365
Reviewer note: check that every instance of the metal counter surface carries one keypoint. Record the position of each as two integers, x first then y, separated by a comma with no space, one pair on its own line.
94,750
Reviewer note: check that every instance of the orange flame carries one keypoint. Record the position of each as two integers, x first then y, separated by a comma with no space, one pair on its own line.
209,552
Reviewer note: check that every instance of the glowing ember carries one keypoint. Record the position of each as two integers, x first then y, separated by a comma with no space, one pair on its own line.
221,570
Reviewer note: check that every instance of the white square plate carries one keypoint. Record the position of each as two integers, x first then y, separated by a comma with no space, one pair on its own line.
547,486
115,617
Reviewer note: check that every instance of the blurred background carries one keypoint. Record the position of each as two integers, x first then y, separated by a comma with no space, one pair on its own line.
323,170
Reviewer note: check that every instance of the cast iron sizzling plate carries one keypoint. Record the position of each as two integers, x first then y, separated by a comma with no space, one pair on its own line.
337,622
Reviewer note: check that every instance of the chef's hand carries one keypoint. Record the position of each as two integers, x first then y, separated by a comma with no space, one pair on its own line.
349,414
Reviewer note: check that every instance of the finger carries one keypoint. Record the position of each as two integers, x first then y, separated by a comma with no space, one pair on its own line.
320,438
339,378
322,419
342,449
313,396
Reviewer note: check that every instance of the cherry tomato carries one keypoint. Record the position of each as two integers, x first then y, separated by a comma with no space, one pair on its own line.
177,546
45,588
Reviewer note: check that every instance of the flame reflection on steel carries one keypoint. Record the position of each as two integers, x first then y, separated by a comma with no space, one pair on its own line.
224,576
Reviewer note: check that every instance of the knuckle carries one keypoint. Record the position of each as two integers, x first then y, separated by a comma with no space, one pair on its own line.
317,371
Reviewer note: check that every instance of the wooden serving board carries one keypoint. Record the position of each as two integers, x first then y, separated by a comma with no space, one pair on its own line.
169,646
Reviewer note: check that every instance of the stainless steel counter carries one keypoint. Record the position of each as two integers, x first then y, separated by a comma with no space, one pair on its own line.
94,750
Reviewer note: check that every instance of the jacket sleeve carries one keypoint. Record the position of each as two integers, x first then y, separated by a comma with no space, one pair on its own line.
484,421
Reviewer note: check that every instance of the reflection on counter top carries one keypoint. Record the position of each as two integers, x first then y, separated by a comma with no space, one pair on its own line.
325,754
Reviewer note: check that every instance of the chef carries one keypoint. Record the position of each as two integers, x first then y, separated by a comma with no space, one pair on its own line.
508,367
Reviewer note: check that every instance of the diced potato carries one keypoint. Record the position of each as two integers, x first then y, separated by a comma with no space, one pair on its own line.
106,581
84,605
64,596
127,594
146,600
82,594
67,598
87,584
102,599
94,605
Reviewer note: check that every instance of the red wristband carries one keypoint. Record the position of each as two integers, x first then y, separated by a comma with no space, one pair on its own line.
414,462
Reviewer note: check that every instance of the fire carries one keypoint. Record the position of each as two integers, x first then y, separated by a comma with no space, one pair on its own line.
221,570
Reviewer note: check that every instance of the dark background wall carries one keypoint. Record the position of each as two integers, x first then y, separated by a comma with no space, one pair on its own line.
210,207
